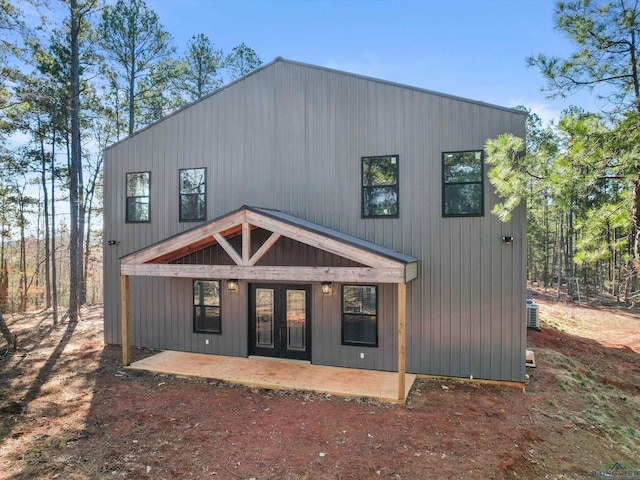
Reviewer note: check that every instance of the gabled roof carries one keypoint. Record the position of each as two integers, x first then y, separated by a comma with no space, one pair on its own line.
325,69
379,264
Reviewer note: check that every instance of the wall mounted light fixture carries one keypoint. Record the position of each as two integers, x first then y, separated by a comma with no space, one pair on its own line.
508,239
232,285
111,242
326,288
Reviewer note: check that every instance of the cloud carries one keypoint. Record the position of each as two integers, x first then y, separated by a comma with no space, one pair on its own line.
544,110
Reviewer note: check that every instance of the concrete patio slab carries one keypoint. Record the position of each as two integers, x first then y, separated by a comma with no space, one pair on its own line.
279,374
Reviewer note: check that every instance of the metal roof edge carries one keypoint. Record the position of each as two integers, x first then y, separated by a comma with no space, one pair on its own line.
400,85
190,104
300,223
334,234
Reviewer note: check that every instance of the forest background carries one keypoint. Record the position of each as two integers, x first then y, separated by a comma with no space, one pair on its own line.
69,89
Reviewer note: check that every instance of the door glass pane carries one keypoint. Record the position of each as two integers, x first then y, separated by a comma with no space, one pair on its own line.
296,319
264,317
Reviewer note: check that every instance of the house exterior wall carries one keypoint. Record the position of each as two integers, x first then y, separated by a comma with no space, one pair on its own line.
291,137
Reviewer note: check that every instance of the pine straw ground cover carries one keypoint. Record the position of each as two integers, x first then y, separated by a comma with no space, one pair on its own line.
69,411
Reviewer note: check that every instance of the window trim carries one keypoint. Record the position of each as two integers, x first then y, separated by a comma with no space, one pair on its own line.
127,197
194,306
396,185
481,183
342,317
204,216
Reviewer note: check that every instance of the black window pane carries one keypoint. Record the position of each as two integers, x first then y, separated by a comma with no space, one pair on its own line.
192,180
207,319
192,207
138,209
379,171
206,292
463,199
192,194
462,167
206,306
380,201
359,299
138,184
359,329
380,186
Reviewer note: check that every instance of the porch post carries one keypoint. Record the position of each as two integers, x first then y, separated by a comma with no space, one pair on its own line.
124,299
402,354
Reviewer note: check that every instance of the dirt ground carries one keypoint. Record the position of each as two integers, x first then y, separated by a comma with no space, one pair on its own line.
69,411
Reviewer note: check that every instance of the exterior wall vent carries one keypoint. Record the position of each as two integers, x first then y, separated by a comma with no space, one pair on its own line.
533,316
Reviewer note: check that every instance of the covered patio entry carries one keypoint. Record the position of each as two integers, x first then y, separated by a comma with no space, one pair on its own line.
254,263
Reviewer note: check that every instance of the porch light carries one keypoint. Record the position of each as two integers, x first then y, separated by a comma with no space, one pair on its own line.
326,288
232,285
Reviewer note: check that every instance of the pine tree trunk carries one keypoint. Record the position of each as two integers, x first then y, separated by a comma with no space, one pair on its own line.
47,253
82,282
74,164
12,340
635,211
4,285
569,267
54,275
23,261
132,95
560,242
547,274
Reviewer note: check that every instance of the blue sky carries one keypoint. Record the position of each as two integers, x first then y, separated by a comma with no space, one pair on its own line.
470,48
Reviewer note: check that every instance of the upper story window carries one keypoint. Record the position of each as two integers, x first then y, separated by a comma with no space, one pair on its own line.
463,184
360,315
206,306
380,191
193,202
138,191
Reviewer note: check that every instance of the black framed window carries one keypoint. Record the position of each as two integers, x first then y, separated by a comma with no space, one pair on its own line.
138,193
463,184
206,306
380,192
193,189
360,315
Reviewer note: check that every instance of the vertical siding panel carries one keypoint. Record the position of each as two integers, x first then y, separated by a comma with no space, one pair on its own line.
291,137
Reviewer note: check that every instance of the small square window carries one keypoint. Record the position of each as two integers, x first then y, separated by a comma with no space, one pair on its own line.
463,184
206,306
193,201
360,315
380,193
138,193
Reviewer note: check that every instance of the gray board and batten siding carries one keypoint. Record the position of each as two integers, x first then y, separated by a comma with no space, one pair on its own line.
290,137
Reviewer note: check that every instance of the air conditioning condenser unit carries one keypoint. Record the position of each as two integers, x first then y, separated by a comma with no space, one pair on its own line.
533,317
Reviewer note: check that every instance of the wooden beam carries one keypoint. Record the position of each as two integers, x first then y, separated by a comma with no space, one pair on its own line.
402,339
228,248
124,299
264,248
303,274
246,243
184,239
184,251
322,242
